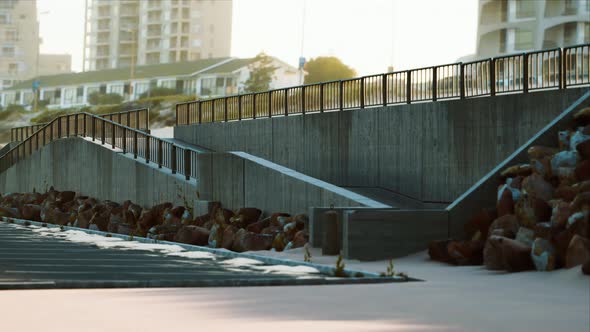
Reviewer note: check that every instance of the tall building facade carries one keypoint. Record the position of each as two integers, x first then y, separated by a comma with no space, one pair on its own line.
144,32
513,26
19,41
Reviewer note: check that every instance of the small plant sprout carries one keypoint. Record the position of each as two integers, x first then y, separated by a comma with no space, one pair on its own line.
307,254
339,269
390,271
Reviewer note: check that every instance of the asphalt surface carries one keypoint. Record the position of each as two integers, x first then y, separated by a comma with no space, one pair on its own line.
31,260
31,257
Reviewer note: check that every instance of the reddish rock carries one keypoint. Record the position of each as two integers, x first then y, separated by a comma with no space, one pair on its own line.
466,252
201,220
517,170
536,187
544,255
224,216
228,237
279,219
540,152
300,239
246,241
480,222
215,236
507,254
507,225
258,226
567,193
583,149
66,196
249,215
582,171
9,212
193,235
101,220
177,211
302,221
279,242
578,251
546,230
560,213
437,250
582,201
525,212
31,212
505,204
148,219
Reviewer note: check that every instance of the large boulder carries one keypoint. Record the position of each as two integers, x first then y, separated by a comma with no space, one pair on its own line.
246,241
544,255
466,252
9,212
31,212
480,223
578,251
437,250
536,187
193,235
502,253
506,226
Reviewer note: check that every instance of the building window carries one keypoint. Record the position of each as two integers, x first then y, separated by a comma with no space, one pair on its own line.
570,33
183,55
69,96
207,86
11,35
117,89
4,18
523,40
502,36
13,68
141,87
169,84
587,31
525,9
8,51
571,7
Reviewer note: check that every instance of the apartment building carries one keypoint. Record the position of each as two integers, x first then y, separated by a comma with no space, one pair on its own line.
127,33
19,41
514,26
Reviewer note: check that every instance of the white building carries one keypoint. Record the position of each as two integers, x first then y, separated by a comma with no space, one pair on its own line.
143,32
515,26
205,78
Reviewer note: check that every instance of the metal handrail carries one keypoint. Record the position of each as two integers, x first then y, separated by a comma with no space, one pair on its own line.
556,68
130,140
17,134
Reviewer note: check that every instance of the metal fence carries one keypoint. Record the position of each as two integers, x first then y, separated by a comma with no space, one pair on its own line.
107,132
137,119
518,73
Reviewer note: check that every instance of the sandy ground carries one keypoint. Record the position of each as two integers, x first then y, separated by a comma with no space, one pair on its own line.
451,299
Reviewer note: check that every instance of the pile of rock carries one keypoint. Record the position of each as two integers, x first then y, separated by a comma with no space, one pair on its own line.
541,219
243,230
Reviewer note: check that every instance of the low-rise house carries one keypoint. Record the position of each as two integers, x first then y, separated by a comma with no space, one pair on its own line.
203,79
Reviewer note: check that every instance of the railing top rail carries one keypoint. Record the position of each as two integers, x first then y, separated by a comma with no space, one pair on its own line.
98,117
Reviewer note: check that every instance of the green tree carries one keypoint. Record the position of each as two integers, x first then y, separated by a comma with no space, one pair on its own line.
261,74
327,68
96,98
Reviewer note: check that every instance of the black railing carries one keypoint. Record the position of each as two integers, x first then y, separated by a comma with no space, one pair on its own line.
136,119
518,73
107,132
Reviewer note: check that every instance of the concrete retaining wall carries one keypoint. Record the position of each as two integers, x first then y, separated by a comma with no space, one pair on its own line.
430,151
234,180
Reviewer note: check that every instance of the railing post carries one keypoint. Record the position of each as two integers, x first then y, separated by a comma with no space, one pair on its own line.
303,99
76,124
113,136
137,120
59,127
176,116
564,69
225,109
525,73
200,109
270,104
561,67
124,143
103,131
134,144
147,149
160,153
187,117
409,86
212,110
44,134
362,93
84,126
51,132
434,83
254,106
492,77
128,119
341,95
187,164
147,118
322,97
286,101
93,128
384,89
68,117
173,159
239,107
462,81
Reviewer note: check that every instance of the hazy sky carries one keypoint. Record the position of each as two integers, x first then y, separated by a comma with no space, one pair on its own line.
368,35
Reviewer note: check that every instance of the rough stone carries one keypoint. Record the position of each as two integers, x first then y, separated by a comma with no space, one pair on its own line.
194,235
507,225
544,255
501,253
578,251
